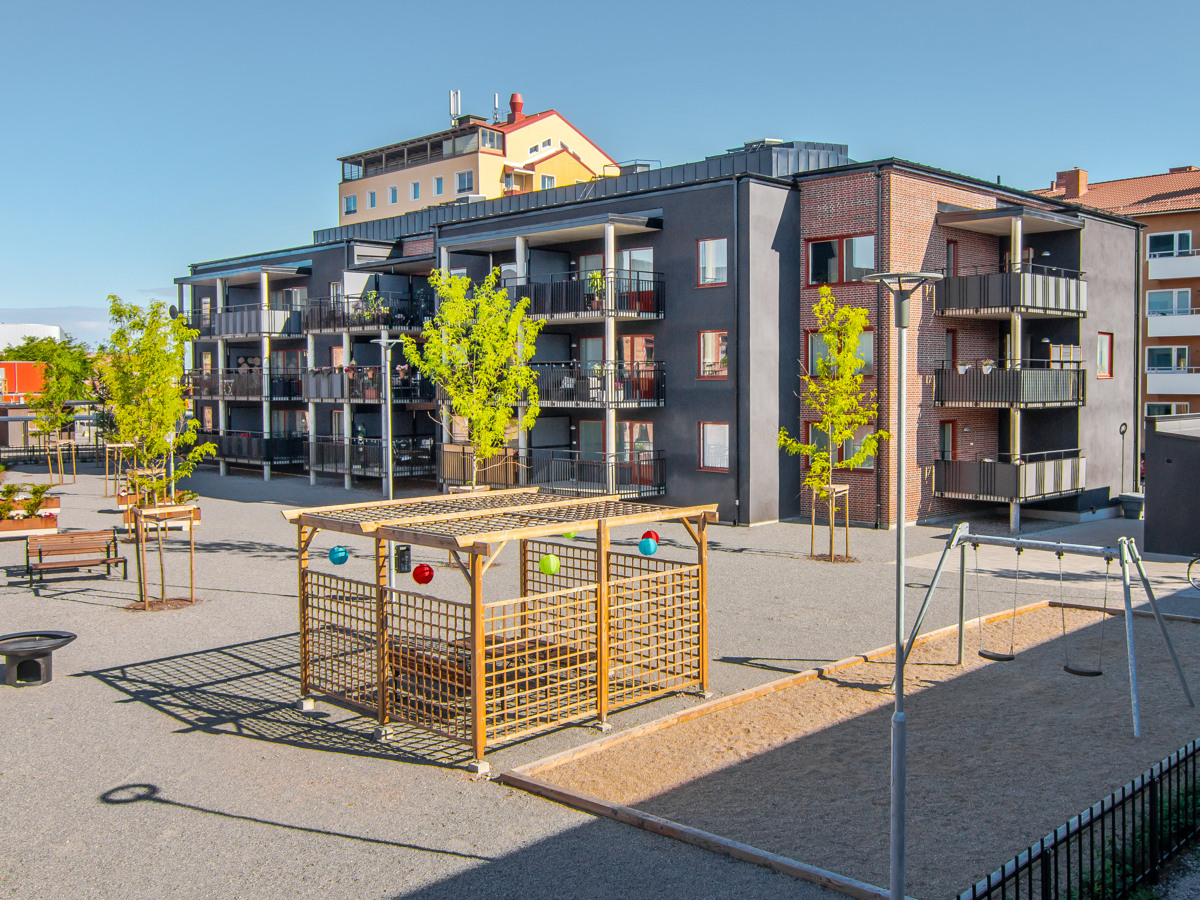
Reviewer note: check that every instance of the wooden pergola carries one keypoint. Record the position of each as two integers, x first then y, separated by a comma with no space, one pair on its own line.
607,630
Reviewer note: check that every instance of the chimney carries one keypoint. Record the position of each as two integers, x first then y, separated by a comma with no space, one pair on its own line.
516,106
1073,182
1176,170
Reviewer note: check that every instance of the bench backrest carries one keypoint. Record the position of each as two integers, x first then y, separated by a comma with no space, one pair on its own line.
76,540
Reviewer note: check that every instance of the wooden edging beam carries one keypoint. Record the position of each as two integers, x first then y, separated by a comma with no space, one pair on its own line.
1119,611
704,839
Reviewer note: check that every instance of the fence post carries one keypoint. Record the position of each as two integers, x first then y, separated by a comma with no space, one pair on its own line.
1155,842
1046,881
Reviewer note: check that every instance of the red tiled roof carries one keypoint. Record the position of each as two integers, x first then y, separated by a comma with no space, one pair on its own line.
527,120
1174,191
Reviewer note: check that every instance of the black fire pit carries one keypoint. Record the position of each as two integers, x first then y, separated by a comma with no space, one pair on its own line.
27,659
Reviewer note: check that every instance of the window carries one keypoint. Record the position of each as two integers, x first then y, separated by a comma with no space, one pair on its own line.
437,186
851,446
460,272
208,418
414,190
547,182
1166,359
591,262
711,261
464,182
1169,303
818,349
370,199
951,258
1104,348
508,181
337,356
714,354
635,348
336,290
714,445
951,344
547,144
635,437
638,260
533,149
350,204
206,362
1166,409
337,423
490,139
826,259
945,440
1169,243
393,194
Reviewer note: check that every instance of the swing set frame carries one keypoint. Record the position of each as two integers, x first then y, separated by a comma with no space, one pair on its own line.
1125,552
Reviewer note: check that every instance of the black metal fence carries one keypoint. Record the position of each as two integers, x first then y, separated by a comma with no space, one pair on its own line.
248,321
364,384
370,312
1033,386
255,448
1036,476
1107,851
245,384
13,456
631,474
633,384
1040,289
412,456
610,293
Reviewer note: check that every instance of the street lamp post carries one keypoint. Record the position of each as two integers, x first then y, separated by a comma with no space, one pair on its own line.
385,346
902,285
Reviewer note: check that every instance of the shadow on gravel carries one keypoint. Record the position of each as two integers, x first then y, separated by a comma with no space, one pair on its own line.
769,664
248,690
127,794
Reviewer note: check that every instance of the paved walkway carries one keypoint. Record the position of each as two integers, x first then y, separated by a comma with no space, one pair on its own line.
165,758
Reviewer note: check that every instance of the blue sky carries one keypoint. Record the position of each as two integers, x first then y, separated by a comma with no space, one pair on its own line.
138,138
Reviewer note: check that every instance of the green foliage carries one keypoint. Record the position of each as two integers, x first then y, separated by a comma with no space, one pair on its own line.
142,372
67,374
37,497
834,391
477,349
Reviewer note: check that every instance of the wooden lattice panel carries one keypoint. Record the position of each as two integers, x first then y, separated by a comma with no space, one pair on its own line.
340,625
541,662
654,627
577,566
630,565
429,663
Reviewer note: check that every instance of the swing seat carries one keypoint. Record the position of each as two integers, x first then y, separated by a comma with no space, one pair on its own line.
997,657
1082,672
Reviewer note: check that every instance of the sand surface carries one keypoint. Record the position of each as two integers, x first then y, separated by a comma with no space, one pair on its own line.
999,754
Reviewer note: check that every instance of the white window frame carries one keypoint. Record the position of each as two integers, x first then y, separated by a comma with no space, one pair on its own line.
438,186
393,194
349,204
533,150
712,269
712,464
470,188
1181,302
414,190
547,144
1177,250
1177,409
547,178
1175,366
370,199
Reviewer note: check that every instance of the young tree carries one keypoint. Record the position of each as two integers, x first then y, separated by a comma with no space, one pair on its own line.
834,391
477,349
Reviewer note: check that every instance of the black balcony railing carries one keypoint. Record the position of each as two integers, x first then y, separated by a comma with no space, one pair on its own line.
256,448
1035,290
622,384
630,474
237,384
364,384
1037,476
1033,386
412,456
637,295
370,312
249,321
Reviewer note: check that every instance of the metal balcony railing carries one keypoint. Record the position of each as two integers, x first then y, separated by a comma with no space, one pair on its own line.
364,384
1036,477
630,474
255,447
249,321
236,384
1034,290
619,294
412,457
622,384
1033,386
376,312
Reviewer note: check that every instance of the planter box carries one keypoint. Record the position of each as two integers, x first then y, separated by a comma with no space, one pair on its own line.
22,528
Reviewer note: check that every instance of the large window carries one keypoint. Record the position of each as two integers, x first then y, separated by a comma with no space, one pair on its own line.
349,204
1166,409
1169,303
714,446
835,260
950,353
712,262
490,139
818,349
945,440
464,182
1166,359
640,259
1169,243
1104,351
547,182
849,447
714,354
951,258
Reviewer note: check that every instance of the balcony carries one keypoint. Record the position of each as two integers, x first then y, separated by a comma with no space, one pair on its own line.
394,312
1032,387
631,474
586,385
412,457
235,384
1182,380
1037,477
1185,264
247,321
1036,292
255,448
364,384
1183,323
615,294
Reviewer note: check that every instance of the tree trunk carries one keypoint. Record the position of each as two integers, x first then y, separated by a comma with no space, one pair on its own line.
832,505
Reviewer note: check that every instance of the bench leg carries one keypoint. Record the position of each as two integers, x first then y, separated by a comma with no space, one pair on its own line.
125,569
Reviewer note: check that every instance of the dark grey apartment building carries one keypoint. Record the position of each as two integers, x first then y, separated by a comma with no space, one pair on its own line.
678,305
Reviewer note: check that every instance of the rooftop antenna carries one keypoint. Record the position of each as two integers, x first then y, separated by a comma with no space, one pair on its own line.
495,108
455,106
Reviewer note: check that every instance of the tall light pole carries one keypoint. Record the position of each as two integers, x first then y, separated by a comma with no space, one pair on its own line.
902,285
385,351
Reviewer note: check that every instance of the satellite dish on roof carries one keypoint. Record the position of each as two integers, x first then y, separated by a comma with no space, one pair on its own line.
172,311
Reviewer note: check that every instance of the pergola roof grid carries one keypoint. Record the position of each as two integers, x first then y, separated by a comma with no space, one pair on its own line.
370,513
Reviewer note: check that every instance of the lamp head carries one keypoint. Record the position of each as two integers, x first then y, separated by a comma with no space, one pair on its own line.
902,284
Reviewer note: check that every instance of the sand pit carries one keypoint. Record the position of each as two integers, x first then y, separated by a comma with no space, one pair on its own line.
999,752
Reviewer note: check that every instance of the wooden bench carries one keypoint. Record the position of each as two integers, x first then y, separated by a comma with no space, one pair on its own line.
73,550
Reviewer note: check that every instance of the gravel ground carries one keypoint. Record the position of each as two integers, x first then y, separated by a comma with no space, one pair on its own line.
242,796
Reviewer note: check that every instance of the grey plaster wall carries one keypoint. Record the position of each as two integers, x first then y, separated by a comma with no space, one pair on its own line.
1172,488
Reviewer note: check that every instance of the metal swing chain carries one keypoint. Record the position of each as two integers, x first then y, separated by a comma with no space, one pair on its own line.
1107,579
978,601
1063,609
1012,639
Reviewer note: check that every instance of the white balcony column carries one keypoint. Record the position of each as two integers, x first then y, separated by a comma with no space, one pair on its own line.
266,399
310,353
521,255
219,299
444,258
1015,244
347,424
610,358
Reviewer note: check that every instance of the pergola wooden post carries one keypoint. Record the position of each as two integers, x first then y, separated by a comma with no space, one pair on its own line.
304,537
603,663
381,648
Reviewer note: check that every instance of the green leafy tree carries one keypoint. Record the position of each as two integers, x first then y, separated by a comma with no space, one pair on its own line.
834,391
477,349
67,374
142,370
